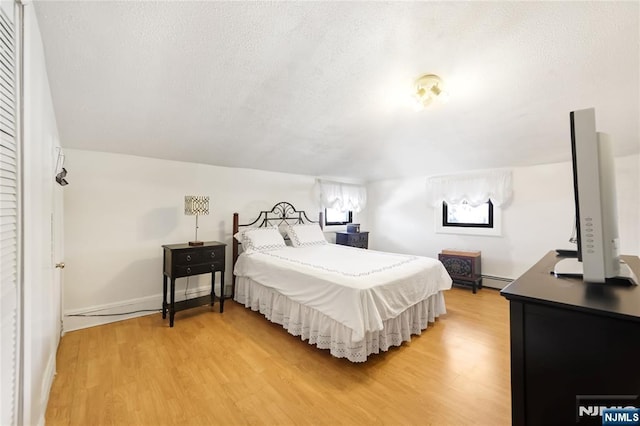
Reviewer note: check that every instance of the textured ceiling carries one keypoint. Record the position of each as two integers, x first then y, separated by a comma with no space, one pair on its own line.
321,88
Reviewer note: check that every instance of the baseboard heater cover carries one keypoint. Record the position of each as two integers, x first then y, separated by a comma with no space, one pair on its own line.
493,281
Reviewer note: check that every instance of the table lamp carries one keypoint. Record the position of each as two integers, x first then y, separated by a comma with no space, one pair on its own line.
196,205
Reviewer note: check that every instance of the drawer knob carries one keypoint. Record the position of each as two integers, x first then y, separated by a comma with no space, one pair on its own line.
188,257
213,254
213,267
188,270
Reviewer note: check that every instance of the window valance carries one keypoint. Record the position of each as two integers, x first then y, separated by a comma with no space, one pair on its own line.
476,188
341,196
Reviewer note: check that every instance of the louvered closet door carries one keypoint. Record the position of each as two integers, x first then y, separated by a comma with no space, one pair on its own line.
9,290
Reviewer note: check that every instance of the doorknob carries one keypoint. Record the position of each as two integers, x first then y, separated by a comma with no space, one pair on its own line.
60,265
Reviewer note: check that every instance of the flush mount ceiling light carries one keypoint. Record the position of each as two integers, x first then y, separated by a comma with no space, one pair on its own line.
428,88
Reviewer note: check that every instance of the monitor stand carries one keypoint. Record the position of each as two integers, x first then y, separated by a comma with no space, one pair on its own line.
571,267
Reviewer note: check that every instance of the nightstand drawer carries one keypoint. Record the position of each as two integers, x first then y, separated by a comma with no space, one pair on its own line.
193,257
187,258
213,255
202,268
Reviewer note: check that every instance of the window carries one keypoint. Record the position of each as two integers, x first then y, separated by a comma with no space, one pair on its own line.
463,219
465,215
335,217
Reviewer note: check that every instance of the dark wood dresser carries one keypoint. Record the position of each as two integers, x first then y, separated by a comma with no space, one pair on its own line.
353,239
183,260
575,346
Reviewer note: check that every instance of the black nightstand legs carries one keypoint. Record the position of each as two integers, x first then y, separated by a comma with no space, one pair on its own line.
213,292
172,310
164,296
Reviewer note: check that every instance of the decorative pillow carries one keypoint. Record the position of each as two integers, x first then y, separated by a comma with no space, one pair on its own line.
239,236
306,235
261,239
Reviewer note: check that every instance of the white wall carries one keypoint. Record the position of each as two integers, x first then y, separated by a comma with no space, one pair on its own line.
539,218
120,210
41,308
628,192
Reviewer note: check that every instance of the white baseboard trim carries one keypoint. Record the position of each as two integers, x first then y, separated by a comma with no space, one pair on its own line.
74,319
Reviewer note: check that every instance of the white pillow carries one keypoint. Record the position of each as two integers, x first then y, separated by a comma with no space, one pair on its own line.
239,236
305,235
261,239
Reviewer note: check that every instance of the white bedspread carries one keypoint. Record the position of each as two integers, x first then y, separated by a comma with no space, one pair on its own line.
358,288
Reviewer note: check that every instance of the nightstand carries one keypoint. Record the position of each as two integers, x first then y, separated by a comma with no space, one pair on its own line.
353,239
463,267
183,260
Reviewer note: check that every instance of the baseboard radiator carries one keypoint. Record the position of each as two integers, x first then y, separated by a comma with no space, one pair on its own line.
492,281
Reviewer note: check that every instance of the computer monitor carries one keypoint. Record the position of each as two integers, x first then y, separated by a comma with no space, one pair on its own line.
596,207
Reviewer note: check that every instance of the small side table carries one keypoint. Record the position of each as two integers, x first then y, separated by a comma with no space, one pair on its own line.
464,267
183,260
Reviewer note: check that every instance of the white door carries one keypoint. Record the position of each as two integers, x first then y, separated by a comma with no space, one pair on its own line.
41,280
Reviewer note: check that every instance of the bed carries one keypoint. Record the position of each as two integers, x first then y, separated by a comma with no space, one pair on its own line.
351,301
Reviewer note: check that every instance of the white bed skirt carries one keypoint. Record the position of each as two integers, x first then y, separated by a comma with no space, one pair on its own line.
326,333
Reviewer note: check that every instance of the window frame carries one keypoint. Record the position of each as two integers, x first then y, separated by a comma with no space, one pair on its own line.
446,223
327,223
496,231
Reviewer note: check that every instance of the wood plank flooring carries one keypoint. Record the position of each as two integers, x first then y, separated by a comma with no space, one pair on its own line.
238,368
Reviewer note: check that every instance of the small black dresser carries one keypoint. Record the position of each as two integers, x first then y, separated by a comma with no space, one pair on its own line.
183,260
353,239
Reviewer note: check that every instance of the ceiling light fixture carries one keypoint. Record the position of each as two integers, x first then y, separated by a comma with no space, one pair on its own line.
428,88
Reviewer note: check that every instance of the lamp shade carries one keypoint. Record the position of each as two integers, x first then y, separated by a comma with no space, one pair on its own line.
196,205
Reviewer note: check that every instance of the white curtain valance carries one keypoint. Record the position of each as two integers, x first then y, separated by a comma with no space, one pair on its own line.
476,188
341,196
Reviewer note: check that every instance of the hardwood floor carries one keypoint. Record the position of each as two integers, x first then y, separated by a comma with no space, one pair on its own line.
238,368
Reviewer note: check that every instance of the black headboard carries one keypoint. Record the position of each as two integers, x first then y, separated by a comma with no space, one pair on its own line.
281,213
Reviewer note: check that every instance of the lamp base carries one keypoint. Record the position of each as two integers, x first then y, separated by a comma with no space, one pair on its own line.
196,243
